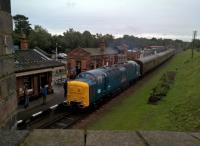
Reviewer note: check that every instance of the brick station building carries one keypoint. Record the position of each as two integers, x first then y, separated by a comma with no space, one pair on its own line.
34,69
133,54
83,59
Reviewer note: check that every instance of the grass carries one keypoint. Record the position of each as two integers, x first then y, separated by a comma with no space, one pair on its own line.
178,111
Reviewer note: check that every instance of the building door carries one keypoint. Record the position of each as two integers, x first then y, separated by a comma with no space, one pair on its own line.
43,80
78,67
28,82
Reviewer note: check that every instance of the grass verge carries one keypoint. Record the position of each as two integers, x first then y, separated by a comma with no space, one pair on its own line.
178,111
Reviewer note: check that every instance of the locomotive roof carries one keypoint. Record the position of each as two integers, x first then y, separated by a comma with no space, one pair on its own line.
92,74
90,82
96,72
132,62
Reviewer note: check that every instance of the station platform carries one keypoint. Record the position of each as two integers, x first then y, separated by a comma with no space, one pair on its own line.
36,105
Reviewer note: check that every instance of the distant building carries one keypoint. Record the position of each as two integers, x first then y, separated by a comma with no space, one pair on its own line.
151,50
155,47
133,54
122,53
83,59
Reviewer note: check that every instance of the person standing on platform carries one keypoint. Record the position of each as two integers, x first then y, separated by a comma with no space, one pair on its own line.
26,97
44,94
65,88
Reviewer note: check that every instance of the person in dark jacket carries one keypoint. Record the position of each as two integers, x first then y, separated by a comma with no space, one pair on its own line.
65,88
26,97
44,94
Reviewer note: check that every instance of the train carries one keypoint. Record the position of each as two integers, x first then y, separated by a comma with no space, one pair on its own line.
93,86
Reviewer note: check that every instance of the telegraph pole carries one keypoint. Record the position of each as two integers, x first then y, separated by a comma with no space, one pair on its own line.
56,52
193,42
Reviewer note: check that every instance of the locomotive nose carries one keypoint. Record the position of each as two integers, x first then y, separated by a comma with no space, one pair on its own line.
78,93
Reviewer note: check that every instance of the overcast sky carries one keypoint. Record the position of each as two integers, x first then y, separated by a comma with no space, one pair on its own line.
146,18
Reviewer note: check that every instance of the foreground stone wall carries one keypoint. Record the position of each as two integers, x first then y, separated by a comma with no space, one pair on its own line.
97,138
8,101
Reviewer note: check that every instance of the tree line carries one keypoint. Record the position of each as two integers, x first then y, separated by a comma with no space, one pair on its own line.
71,39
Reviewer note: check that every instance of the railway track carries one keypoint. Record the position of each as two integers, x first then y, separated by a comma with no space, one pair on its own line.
64,122
55,117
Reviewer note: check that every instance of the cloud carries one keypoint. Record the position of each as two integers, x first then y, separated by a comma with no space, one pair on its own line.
71,4
167,18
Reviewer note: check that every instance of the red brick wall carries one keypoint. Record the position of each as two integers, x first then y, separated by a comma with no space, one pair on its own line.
78,55
87,61
133,55
24,44
84,64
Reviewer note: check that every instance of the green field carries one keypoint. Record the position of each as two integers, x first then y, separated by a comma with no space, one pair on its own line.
178,111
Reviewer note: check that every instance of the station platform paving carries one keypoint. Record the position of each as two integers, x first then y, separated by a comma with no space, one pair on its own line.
36,105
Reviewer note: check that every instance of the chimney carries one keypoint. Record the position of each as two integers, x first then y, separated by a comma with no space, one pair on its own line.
125,49
102,45
23,42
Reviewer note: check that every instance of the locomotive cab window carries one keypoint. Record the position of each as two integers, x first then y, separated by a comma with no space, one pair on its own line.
100,79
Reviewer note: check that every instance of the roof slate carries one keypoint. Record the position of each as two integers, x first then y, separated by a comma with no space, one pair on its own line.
98,51
31,60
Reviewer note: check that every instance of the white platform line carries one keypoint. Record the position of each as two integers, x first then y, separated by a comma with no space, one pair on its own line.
20,121
54,106
36,114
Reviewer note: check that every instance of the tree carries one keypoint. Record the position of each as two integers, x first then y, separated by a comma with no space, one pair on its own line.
22,25
40,37
88,40
72,39
58,41
108,38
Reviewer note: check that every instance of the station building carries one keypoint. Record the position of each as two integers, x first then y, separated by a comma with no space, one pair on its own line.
83,59
34,70
133,54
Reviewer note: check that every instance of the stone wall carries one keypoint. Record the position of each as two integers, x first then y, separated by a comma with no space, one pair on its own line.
8,100
61,137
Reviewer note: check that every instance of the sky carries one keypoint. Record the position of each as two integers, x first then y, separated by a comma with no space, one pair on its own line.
175,19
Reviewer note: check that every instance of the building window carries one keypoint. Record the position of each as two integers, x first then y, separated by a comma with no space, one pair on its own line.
28,82
91,66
